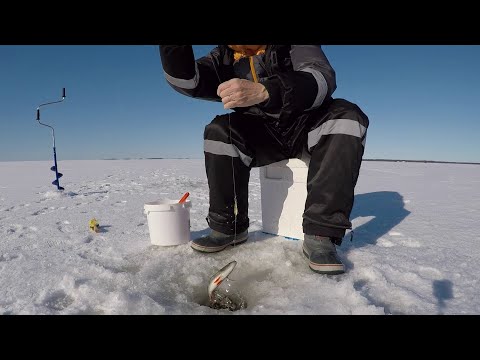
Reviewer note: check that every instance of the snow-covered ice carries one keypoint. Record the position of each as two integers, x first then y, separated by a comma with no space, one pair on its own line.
415,248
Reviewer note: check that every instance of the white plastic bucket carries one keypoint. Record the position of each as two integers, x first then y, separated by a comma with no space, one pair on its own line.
168,222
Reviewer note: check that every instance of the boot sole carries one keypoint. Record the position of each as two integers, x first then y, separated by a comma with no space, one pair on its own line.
327,269
210,249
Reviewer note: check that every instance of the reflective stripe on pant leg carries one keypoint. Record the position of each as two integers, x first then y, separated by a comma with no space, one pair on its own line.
337,126
221,148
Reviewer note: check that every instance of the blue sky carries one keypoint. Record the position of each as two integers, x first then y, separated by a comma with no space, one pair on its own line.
422,102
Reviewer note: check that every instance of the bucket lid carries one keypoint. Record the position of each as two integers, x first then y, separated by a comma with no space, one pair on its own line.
166,205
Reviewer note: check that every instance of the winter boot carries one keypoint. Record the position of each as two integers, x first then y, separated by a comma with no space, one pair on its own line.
322,255
216,241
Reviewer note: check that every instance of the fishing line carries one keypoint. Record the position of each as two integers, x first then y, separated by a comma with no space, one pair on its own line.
235,205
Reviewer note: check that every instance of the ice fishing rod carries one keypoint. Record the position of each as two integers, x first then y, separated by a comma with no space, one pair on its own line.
54,167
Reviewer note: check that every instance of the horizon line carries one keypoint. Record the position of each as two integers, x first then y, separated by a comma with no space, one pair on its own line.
201,158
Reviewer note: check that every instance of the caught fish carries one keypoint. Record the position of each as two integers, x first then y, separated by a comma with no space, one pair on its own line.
222,294
221,275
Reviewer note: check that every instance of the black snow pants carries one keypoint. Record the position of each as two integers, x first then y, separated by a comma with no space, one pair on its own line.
333,135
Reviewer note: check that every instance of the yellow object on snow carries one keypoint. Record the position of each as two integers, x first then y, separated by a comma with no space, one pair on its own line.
94,225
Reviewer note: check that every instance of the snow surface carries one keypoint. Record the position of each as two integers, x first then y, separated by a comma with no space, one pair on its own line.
415,249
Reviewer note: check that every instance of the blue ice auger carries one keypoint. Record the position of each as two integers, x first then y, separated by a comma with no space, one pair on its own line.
54,167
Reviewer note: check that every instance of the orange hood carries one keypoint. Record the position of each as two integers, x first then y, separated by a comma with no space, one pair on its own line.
247,50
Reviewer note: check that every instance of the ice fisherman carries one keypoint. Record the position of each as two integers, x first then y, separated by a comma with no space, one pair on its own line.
283,108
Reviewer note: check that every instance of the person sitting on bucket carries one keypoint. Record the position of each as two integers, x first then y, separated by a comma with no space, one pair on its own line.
283,107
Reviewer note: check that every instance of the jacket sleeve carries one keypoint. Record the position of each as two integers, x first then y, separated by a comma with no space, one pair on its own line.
195,78
305,88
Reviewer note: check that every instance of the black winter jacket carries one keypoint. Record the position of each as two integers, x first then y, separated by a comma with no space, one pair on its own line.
298,78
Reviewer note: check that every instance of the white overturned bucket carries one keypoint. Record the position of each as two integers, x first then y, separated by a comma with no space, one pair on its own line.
168,222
